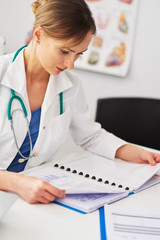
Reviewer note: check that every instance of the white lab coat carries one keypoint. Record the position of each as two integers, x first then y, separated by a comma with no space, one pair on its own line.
53,126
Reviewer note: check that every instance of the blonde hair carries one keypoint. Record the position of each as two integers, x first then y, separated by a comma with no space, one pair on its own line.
64,19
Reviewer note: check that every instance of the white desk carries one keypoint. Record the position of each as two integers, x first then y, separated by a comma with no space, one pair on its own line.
24,221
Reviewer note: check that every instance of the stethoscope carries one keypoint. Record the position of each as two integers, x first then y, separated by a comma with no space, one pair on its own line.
24,111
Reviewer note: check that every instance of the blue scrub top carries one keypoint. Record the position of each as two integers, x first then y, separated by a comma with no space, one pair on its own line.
15,166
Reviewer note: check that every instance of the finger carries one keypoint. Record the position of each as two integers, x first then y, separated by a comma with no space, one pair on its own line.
156,157
151,160
43,200
55,191
148,159
50,197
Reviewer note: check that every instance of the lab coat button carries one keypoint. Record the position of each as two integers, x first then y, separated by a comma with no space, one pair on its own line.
44,128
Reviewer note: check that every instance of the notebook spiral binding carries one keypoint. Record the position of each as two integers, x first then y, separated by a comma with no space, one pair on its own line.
100,180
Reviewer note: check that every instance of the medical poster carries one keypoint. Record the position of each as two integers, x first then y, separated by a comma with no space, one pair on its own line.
111,49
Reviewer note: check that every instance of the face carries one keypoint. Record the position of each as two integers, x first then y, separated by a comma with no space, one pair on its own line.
56,56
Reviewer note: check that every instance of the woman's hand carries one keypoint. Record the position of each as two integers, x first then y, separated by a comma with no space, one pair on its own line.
34,190
31,189
132,153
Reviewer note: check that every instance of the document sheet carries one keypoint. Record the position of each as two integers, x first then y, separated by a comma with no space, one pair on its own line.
131,224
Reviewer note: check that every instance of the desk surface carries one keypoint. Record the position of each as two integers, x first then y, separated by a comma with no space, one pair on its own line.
39,221
30,222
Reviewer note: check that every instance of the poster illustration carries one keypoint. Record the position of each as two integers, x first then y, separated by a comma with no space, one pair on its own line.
110,51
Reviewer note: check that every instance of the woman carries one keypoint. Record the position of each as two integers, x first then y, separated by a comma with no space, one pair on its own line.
37,74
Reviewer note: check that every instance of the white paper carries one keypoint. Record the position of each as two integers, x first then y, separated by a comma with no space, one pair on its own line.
151,182
88,195
72,183
132,224
90,202
123,174
127,174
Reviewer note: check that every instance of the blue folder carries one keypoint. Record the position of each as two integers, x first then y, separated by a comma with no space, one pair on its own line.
102,224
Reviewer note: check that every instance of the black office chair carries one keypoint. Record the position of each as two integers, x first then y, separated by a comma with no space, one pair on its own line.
136,120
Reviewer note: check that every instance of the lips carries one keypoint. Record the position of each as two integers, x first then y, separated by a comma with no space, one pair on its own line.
60,69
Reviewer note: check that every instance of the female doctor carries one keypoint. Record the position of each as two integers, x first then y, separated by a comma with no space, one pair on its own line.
40,100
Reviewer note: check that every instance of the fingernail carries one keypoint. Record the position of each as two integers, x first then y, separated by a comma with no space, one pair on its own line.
63,193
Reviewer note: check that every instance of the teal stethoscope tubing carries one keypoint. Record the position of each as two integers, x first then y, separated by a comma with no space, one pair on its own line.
24,110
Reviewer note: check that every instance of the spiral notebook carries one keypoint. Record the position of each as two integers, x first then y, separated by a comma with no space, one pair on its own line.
92,181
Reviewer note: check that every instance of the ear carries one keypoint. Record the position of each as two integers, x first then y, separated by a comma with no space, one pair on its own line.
37,34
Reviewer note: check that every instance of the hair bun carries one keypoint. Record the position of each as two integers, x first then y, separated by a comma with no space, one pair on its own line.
37,4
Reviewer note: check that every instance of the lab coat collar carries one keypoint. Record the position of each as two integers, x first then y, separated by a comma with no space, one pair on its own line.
56,85
61,82
15,79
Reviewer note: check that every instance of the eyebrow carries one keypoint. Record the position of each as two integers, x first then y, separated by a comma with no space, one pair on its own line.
79,52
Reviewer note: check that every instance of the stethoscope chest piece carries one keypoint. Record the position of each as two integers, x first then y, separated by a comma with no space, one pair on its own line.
21,160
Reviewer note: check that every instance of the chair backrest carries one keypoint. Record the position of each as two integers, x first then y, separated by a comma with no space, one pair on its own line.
136,120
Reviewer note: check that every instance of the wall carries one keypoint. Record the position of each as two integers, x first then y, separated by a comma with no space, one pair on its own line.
143,78
16,19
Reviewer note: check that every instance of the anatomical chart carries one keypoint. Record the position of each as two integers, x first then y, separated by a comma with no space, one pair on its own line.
111,49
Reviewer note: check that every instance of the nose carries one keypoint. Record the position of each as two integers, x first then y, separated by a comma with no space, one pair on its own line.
69,62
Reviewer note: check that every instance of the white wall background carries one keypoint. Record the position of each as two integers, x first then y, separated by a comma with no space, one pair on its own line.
143,79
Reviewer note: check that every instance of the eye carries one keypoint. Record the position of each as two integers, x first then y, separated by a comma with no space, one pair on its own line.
80,54
64,52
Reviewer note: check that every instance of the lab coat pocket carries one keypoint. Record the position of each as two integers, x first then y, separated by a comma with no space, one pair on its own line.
61,125
51,137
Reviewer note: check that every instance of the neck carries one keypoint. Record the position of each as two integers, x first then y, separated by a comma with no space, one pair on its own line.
33,68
